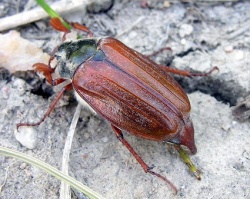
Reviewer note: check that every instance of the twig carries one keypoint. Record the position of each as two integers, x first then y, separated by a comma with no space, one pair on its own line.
131,27
38,13
5,179
65,188
239,31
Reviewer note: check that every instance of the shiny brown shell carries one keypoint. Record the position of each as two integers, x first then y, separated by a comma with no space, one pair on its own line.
135,94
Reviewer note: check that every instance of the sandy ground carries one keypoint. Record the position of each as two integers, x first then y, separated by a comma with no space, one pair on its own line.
201,35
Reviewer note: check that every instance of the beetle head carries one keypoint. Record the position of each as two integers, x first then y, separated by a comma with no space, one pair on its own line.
185,137
70,55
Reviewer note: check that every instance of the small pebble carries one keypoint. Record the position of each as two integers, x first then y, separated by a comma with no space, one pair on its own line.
23,166
183,41
185,30
27,136
5,92
246,154
228,49
26,180
166,4
238,55
99,6
105,139
20,85
86,135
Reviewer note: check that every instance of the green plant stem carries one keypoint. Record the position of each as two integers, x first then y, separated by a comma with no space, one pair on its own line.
51,170
52,13
186,159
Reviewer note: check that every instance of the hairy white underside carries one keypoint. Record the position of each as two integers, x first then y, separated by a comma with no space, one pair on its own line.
84,103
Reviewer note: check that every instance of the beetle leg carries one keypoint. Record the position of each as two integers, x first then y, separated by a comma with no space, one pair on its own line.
58,25
47,71
145,167
180,72
187,73
51,108
81,28
119,135
159,51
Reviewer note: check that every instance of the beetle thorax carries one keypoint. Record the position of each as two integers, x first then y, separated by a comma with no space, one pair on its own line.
70,55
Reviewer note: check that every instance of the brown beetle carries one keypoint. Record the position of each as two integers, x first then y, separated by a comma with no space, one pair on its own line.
132,92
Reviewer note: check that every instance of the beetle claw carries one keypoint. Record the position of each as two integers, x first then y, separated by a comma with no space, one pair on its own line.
150,168
166,180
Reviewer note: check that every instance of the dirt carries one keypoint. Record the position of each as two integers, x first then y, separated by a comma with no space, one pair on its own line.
201,35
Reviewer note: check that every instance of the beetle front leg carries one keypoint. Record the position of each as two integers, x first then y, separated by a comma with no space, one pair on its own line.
51,108
46,70
145,167
57,24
